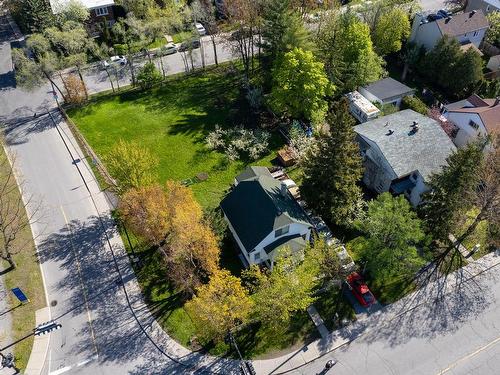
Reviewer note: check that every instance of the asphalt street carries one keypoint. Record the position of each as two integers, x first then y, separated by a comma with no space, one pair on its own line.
458,335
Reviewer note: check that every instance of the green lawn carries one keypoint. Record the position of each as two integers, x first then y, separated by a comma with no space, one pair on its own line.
386,290
173,121
26,276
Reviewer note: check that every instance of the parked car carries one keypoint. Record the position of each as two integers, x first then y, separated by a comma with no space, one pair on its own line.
195,43
360,290
199,27
119,60
169,49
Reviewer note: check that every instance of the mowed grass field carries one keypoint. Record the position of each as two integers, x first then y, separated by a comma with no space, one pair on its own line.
26,276
172,121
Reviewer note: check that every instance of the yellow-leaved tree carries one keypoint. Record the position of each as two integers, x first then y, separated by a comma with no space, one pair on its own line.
169,217
219,306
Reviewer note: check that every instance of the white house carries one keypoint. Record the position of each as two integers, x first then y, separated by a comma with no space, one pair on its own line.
400,151
473,117
386,91
263,217
487,6
468,27
361,108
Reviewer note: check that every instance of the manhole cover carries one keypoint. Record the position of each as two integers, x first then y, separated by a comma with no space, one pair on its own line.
53,303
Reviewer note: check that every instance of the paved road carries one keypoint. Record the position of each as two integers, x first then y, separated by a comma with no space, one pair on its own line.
459,335
92,291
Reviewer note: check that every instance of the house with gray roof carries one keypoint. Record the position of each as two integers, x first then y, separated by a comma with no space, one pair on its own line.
468,27
401,151
263,217
386,91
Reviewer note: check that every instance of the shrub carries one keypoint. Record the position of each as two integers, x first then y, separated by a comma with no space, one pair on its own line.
412,102
148,75
238,142
75,90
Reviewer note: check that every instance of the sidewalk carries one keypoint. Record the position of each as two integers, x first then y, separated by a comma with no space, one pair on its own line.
374,321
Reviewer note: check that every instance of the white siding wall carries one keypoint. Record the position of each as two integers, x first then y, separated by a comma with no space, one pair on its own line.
466,133
475,37
427,34
295,228
418,190
377,177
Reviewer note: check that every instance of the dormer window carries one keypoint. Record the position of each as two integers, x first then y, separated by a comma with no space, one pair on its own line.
280,232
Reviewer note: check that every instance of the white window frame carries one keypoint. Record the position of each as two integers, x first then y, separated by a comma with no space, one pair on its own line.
475,33
474,124
102,11
280,232
256,257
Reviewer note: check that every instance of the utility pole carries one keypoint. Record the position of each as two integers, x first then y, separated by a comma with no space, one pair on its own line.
246,367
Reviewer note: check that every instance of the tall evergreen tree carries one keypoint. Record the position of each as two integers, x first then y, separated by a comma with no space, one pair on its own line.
282,30
333,168
33,15
447,198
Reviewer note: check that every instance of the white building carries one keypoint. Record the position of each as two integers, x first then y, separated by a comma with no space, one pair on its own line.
361,108
466,28
487,6
386,91
400,151
473,117
263,217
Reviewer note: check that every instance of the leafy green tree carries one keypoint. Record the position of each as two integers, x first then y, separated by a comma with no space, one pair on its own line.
391,30
346,48
131,165
393,230
446,201
73,10
149,75
286,289
333,168
445,62
493,33
416,104
219,306
300,86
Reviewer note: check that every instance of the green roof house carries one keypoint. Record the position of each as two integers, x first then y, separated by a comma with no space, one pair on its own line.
264,217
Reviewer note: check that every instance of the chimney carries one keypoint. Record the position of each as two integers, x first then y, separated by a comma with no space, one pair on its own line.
389,132
415,126
497,100
472,13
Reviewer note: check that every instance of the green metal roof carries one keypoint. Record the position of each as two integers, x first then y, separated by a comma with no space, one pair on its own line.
295,242
257,206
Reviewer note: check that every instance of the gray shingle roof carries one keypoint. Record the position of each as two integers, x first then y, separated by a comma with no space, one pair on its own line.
388,88
256,207
460,24
425,150
295,242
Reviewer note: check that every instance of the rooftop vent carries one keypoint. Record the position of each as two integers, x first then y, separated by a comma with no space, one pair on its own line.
472,13
415,126
389,132
448,19
497,100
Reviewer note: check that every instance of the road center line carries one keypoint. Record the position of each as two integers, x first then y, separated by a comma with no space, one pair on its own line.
483,348
84,290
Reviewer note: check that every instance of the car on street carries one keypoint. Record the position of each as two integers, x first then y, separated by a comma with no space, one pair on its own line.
360,290
118,60
201,30
169,49
195,43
